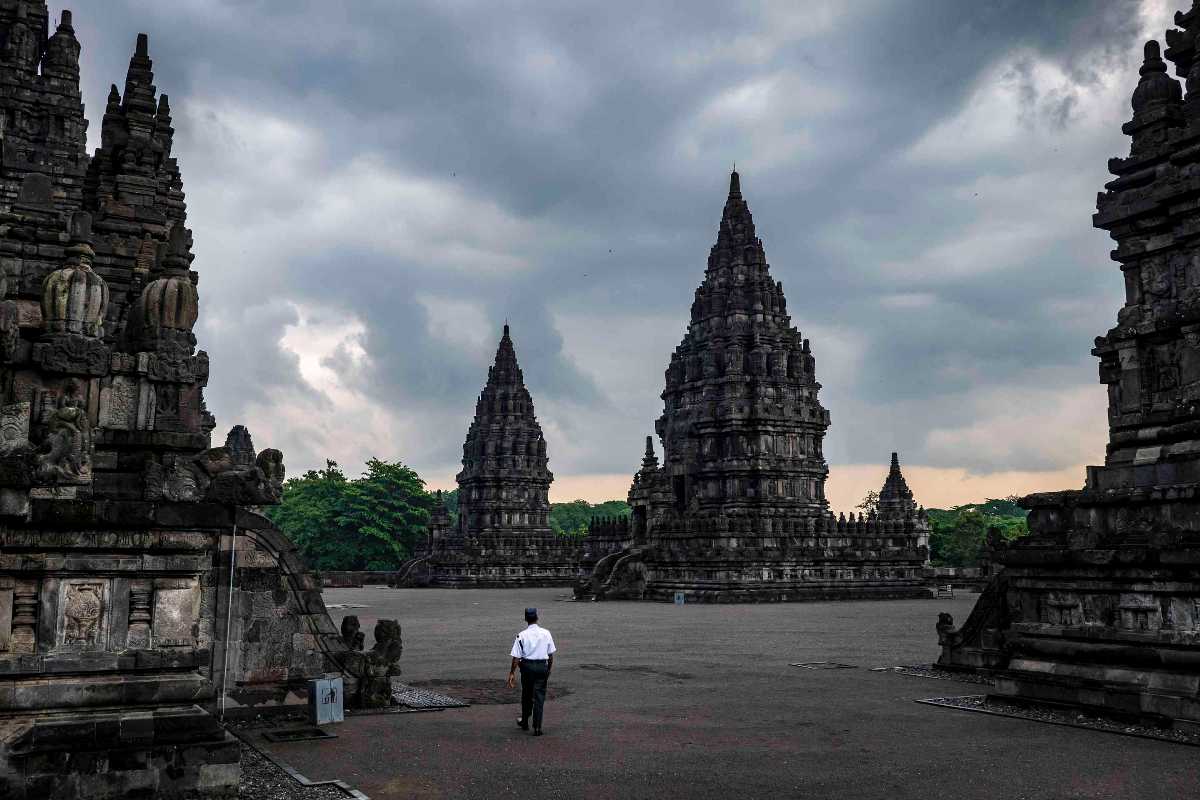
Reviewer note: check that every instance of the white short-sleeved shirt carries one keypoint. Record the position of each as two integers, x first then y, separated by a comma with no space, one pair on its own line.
534,644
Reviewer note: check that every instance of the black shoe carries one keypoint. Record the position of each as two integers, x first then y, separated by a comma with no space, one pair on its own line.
522,724
537,731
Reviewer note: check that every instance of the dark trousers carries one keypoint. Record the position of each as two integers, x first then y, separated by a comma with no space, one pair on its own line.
534,675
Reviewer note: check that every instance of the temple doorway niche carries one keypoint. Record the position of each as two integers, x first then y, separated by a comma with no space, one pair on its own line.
679,486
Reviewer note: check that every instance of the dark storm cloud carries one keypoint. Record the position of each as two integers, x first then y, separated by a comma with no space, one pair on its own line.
576,157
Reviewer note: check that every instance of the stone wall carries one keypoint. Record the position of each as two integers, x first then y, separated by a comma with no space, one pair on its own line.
282,636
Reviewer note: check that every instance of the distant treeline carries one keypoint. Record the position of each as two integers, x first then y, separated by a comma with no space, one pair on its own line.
566,519
379,519
959,533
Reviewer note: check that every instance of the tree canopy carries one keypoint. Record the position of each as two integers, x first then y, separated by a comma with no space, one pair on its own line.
959,533
571,519
373,522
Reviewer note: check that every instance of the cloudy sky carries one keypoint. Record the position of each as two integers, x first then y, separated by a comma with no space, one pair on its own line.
375,185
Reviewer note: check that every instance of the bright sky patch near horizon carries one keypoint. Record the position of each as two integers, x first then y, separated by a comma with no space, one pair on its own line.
375,188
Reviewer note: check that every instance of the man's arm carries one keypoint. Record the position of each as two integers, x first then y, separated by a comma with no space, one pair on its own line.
549,663
512,673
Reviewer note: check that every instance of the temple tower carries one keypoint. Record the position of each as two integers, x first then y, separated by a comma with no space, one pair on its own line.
119,520
1100,605
503,536
742,427
737,508
41,108
896,503
504,485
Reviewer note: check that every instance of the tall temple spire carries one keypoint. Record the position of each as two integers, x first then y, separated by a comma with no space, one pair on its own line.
504,536
741,347
742,469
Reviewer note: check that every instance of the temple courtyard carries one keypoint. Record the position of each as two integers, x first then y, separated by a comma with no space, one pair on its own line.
701,701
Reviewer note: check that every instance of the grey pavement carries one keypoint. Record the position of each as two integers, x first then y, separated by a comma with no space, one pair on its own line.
699,701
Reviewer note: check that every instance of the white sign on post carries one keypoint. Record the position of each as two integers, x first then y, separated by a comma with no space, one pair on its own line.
326,700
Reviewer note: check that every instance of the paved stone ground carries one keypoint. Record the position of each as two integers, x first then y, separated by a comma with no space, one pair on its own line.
699,701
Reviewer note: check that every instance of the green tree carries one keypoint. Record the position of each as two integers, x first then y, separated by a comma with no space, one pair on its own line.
450,498
372,522
967,537
870,502
572,519
310,513
388,509
958,534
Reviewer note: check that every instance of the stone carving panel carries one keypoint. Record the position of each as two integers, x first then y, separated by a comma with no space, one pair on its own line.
14,428
118,404
176,613
83,622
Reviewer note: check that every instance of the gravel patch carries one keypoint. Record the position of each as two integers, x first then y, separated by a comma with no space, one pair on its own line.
936,672
262,780
1059,716
415,697
488,691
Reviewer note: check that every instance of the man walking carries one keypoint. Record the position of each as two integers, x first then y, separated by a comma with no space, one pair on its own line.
533,652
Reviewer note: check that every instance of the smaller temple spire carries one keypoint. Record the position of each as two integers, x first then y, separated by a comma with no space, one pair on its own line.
61,59
735,185
895,498
139,80
1155,85
1157,105
649,460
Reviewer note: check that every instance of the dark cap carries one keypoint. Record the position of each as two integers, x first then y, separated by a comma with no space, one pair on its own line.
531,614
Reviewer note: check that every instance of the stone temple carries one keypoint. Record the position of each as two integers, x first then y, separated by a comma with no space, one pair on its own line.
140,592
737,509
1100,605
503,536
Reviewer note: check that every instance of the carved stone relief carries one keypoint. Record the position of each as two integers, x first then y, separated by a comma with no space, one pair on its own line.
82,620
176,612
14,429
118,404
